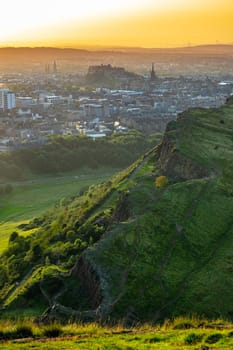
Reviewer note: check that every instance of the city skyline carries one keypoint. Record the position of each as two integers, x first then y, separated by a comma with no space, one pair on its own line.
128,23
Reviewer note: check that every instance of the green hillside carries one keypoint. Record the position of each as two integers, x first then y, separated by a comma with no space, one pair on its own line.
32,198
130,249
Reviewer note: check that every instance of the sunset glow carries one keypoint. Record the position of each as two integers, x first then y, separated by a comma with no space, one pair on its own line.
148,23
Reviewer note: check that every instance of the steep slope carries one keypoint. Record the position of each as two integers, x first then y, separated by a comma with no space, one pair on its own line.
174,253
152,252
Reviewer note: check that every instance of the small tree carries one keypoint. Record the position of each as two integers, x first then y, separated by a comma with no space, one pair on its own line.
13,236
161,181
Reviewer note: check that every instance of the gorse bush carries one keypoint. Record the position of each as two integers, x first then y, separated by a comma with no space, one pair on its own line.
161,181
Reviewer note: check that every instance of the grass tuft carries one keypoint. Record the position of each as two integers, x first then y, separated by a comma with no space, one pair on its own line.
183,325
193,338
153,340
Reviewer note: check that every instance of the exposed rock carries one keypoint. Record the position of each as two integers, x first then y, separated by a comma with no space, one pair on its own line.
122,211
88,280
177,166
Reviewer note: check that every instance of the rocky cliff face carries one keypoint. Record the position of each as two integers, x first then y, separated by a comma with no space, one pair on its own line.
176,165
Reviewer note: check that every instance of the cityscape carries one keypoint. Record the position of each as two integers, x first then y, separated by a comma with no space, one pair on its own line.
102,100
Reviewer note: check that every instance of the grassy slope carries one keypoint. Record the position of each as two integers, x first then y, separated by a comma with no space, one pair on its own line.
163,271
32,198
79,208
206,136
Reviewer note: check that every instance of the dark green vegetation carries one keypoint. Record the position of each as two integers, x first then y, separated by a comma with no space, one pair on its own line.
199,336
74,152
129,250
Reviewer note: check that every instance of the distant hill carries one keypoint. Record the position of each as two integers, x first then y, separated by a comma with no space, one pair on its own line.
54,50
130,249
34,59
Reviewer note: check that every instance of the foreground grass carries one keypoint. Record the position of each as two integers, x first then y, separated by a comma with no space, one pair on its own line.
32,198
214,335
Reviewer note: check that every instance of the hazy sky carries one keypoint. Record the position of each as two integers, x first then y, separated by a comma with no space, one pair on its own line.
147,23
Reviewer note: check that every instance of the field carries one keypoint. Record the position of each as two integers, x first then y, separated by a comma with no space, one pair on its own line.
174,336
31,198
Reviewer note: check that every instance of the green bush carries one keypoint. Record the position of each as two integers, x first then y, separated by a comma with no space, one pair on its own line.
23,331
19,332
52,330
2,335
213,338
193,338
154,340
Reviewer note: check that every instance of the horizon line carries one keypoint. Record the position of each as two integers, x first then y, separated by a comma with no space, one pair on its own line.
101,47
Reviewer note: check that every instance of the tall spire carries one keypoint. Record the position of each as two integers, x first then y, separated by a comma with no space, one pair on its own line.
152,74
54,67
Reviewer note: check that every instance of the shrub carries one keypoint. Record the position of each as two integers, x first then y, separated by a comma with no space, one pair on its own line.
23,331
13,236
192,338
153,340
52,331
213,338
161,181
1,335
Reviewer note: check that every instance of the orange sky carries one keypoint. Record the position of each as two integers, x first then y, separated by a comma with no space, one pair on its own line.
145,23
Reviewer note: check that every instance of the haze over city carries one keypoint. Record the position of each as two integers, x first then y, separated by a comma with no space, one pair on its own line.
149,23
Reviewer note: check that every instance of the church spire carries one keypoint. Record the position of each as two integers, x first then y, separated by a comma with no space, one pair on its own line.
54,67
152,74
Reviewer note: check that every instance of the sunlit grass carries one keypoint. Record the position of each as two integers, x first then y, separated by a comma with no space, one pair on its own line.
32,198
6,228
94,336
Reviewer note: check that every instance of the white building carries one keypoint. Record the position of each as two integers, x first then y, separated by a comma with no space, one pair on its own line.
51,98
24,101
7,99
